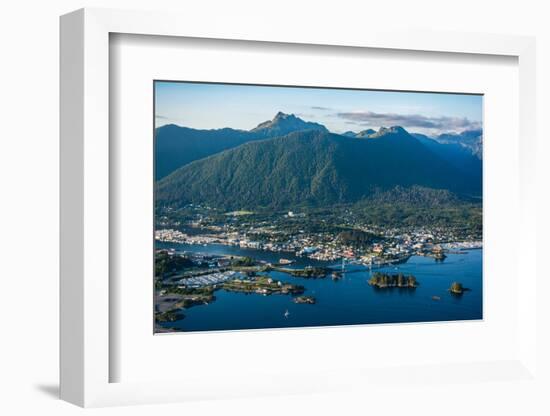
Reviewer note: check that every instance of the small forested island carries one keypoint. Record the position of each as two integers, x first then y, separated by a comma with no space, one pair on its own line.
385,281
310,272
457,288
263,285
305,299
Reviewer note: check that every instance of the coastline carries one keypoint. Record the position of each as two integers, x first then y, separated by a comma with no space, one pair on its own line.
369,304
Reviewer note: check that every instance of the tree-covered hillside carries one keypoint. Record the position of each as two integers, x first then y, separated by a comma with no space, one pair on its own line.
312,168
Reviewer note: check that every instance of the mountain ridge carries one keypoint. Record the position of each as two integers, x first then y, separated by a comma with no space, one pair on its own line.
176,146
469,139
311,168
283,124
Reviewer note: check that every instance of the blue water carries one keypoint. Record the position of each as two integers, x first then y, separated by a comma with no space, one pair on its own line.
347,301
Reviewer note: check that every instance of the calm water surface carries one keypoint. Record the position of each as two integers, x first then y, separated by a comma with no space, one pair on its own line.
345,302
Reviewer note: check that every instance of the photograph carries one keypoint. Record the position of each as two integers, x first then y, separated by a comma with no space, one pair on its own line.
240,209
282,206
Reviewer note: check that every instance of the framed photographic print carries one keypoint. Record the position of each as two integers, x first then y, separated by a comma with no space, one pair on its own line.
347,207
289,212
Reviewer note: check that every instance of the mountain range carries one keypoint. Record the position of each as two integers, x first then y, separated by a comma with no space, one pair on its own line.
177,146
469,139
287,162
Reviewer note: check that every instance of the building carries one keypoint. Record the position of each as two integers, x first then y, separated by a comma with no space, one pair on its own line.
378,249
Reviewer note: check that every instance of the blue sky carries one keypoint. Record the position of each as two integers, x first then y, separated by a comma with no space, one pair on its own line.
211,106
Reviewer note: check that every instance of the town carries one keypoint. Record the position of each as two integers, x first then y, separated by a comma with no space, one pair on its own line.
336,242
360,243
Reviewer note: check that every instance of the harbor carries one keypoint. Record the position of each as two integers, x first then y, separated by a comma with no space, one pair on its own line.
348,299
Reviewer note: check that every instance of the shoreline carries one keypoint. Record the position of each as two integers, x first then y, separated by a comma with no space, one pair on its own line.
322,290
376,263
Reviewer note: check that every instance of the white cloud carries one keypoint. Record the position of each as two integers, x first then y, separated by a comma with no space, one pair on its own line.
413,122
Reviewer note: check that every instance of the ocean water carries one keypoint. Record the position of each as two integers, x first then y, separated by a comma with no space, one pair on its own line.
349,301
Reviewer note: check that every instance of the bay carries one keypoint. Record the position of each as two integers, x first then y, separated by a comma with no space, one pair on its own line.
349,301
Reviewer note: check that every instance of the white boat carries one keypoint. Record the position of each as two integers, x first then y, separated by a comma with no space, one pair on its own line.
287,313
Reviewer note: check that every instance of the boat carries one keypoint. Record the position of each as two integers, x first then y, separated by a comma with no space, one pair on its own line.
287,313
285,261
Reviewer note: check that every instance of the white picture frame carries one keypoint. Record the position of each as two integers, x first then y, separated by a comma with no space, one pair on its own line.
85,352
